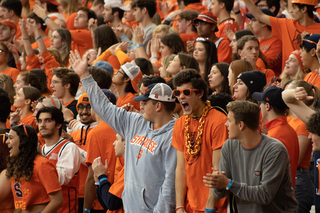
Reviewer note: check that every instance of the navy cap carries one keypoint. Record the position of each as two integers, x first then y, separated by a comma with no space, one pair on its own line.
265,11
272,95
254,80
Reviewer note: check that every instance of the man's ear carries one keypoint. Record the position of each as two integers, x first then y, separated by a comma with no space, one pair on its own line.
313,52
268,107
241,125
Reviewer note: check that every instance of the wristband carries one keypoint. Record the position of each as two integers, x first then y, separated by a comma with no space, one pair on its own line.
168,19
44,20
236,13
122,37
102,179
86,210
154,58
209,210
135,47
38,38
229,185
179,207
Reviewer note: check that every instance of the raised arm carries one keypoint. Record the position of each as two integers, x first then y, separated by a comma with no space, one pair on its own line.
256,12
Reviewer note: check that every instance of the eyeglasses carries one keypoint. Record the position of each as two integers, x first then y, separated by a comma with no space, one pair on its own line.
200,23
119,71
87,107
186,92
202,39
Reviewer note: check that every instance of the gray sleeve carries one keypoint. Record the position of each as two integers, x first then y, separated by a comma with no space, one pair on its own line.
166,198
117,118
131,43
275,163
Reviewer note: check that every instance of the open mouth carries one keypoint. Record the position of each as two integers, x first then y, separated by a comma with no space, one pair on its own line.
185,106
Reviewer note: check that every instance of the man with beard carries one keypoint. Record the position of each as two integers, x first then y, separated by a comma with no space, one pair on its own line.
80,139
64,154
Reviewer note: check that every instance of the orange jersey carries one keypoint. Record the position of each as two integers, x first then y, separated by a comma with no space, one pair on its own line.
7,205
82,40
80,139
301,129
30,120
188,37
288,31
108,57
271,48
313,78
128,98
224,51
100,143
12,72
214,135
69,191
280,129
222,27
70,21
47,42
44,181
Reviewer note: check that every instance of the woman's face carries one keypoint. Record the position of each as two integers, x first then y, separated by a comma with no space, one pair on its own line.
200,52
19,99
240,90
174,66
292,65
13,143
19,83
230,76
164,50
128,15
56,41
215,78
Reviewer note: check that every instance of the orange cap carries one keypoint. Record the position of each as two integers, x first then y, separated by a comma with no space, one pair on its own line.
8,22
308,2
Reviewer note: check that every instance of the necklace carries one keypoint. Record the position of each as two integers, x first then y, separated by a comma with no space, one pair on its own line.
194,149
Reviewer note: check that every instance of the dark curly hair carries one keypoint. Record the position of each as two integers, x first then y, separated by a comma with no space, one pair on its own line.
21,166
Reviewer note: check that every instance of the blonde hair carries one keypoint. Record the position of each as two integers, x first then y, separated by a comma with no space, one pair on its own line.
164,28
300,74
165,63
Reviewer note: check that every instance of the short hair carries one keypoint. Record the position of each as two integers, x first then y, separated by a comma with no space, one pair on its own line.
244,39
310,8
224,70
187,2
219,101
90,13
96,2
313,124
228,4
239,34
188,61
120,11
5,107
168,106
68,76
174,42
56,115
190,15
245,111
50,7
166,29
14,5
145,66
38,20
151,79
150,5
102,77
192,76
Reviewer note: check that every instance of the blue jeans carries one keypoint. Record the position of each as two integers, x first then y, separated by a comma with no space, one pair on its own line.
304,190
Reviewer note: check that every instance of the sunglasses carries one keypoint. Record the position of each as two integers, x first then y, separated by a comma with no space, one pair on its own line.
186,92
25,129
202,39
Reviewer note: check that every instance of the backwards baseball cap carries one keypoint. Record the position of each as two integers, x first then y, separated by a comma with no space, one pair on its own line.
84,99
311,41
134,73
297,54
158,92
105,66
112,98
9,22
265,11
308,2
271,95
114,4
54,2
254,80
206,16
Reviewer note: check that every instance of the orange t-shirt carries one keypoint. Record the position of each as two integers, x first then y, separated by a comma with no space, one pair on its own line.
222,27
188,37
30,120
289,32
82,40
301,129
128,98
279,128
214,135
122,57
111,59
80,139
271,48
269,73
70,21
224,51
100,143
44,181
313,78
47,42
12,72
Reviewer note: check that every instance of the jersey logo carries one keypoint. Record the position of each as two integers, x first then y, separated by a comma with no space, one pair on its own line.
18,190
53,156
296,40
144,142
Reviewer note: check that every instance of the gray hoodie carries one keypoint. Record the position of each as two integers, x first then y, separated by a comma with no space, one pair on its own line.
150,159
